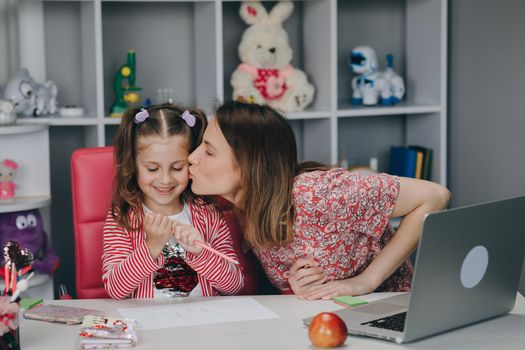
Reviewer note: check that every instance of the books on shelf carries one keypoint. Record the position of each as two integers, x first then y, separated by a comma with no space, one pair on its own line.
412,161
101,332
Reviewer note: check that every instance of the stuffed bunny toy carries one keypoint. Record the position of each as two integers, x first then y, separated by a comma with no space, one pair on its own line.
265,74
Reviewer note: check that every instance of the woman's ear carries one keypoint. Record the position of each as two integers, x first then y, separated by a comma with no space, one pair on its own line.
253,12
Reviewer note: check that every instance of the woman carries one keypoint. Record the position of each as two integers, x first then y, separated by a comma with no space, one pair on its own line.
318,232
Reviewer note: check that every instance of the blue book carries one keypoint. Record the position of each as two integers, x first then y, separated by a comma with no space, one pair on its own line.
402,161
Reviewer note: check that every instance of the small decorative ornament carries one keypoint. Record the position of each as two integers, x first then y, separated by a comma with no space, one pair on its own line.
7,113
8,169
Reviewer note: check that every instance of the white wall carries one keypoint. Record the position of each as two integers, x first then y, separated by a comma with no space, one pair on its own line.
486,95
8,40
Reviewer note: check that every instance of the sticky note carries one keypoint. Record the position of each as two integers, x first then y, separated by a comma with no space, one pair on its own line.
29,303
349,301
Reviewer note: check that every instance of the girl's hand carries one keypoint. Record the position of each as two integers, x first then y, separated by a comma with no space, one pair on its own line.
186,236
303,275
352,286
158,231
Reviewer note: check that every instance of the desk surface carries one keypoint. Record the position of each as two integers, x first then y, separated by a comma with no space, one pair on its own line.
286,332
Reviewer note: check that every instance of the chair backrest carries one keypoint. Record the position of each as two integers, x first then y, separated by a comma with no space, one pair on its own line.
92,182
92,172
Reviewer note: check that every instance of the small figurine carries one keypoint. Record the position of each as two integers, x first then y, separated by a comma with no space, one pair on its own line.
7,112
265,74
371,85
8,170
27,229
126,95
30,98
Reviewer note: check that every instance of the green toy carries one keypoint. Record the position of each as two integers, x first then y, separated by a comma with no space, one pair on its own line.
126,94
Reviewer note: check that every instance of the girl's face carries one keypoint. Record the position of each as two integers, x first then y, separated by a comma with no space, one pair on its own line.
162,165
213,169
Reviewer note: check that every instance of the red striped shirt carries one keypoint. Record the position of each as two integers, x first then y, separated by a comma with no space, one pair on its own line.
127,266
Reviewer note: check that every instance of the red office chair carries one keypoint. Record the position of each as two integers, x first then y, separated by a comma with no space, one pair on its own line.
92,182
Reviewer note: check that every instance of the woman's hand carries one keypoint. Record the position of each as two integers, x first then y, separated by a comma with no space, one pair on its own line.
357,285
305,274
158,231
186,236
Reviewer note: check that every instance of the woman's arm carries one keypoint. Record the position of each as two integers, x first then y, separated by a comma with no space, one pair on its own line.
416,199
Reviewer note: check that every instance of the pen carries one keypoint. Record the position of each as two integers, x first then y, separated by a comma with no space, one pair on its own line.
222,255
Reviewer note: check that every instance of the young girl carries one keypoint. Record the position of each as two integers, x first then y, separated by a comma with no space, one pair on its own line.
319,232
152,205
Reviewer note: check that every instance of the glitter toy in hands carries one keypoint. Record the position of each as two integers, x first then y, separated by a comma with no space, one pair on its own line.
176,278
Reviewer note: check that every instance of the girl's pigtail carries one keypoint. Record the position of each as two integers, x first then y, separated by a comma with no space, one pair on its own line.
197,131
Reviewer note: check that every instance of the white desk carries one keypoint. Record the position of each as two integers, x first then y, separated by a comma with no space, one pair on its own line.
286,332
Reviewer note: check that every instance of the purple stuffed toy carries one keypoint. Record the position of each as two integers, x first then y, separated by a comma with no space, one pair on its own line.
27,229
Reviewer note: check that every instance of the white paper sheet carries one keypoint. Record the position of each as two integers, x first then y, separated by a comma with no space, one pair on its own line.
198,313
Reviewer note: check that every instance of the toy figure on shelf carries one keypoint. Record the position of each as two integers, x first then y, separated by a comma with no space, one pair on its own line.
8,170
371,85
30,98
7,112
126,95
27,229
265,74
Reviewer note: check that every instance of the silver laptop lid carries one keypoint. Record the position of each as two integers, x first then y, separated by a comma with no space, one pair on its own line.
468,266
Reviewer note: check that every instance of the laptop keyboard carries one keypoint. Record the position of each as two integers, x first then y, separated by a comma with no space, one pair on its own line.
395,322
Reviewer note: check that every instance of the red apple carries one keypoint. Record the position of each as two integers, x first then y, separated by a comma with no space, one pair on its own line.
327,330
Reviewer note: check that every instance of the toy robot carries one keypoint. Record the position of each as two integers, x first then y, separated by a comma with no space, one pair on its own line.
371,85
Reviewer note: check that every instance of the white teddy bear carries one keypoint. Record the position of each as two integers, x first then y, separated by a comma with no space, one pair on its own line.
265,74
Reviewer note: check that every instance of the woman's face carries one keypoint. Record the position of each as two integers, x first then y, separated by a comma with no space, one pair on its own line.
213,168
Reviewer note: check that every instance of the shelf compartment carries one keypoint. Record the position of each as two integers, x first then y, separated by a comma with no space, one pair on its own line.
166,37
408,29
29,147
56,37
306,25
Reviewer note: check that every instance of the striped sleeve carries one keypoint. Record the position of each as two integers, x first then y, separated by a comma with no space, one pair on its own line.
123,267
225,277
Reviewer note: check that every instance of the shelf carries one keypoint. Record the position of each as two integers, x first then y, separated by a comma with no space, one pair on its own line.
348,110
21,129
24,203
59,121
112,120
308,115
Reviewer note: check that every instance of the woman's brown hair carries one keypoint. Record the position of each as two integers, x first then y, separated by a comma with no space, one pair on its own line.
164,120
265,150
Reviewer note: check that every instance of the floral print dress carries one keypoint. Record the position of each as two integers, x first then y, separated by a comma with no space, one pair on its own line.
341,220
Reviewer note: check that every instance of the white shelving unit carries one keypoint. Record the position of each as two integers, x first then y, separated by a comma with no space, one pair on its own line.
190,47
28,145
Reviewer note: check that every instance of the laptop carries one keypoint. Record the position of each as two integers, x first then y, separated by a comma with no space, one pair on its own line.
467,270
